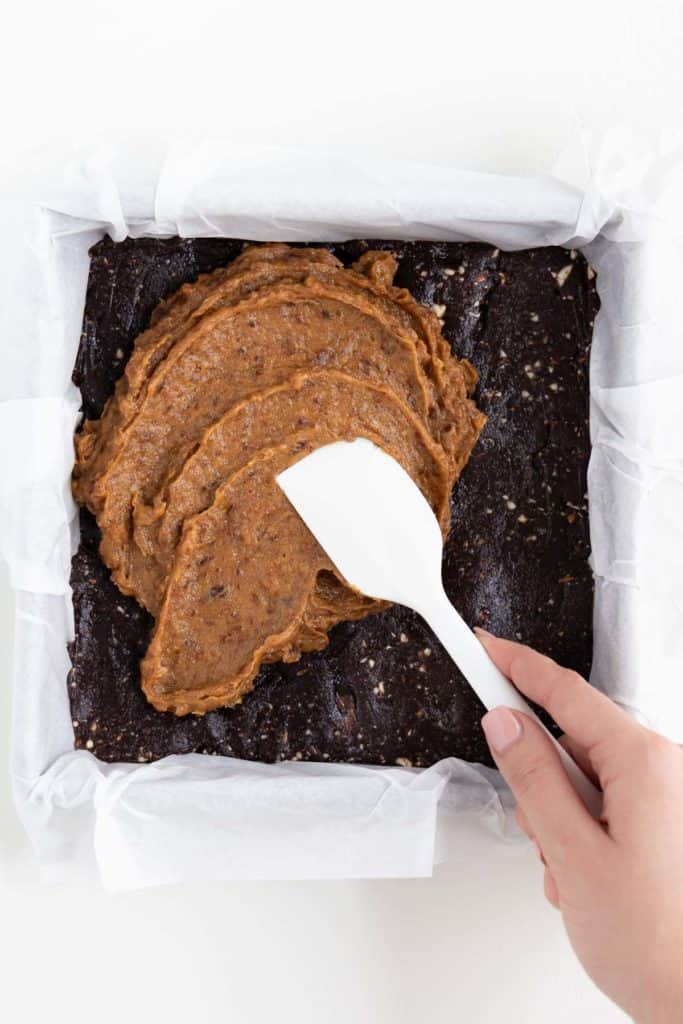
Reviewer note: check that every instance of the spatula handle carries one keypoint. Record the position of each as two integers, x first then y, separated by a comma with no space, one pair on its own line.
493,688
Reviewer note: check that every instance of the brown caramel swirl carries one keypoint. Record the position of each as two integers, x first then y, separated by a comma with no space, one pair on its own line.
239,375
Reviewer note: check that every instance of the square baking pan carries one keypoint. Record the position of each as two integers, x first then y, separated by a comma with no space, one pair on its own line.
193,816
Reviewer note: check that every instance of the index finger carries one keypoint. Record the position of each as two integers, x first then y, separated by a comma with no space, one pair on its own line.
585,714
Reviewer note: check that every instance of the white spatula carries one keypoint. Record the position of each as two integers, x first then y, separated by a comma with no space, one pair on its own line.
380,532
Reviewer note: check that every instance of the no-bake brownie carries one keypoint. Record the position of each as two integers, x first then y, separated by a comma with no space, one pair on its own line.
383,691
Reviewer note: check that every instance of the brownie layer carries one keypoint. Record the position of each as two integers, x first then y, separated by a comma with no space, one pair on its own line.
384,691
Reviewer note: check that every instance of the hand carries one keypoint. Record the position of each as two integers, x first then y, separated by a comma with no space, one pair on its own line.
618,884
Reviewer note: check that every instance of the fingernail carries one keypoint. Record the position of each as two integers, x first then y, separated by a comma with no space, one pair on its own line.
501,729
483,633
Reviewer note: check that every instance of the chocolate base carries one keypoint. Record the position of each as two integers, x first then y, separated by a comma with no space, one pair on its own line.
384,691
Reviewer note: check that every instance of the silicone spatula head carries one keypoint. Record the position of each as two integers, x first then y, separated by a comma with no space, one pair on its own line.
370,517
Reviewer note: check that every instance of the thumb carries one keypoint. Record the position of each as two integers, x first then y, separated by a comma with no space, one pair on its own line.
565,831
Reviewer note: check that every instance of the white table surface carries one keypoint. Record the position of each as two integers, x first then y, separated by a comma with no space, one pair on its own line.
497,86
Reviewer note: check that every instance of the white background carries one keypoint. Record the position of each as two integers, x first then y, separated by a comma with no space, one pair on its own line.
495,86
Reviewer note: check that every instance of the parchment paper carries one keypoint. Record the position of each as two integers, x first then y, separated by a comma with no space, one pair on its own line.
199,817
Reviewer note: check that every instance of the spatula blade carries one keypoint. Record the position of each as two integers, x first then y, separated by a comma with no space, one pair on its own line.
369,516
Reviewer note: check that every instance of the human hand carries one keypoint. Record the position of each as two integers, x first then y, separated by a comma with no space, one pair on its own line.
618,884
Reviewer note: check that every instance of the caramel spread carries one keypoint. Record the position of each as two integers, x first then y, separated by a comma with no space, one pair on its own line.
239,375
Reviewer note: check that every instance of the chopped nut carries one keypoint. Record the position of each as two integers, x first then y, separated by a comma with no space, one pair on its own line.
511,505
522,519
562,275
404,762
439,308
534,317
403,638
448,272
